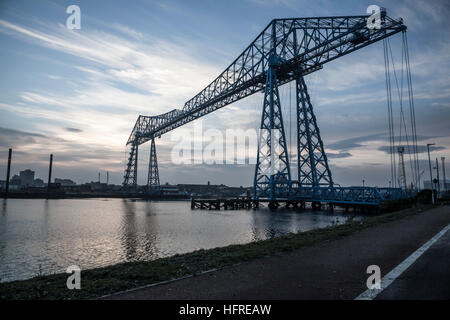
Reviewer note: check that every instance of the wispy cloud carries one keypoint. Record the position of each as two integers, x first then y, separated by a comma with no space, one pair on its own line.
128,31
100,78
121,79
74,130
410,150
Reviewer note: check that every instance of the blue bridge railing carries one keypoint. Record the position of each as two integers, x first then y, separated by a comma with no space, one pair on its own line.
348,195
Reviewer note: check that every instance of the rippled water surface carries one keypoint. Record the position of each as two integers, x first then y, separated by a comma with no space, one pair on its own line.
47,236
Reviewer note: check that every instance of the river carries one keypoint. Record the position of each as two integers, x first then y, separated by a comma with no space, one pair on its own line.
39,236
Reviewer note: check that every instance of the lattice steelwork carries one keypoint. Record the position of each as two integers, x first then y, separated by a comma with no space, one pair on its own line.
313,169
272,174
302,46
153,174
130,177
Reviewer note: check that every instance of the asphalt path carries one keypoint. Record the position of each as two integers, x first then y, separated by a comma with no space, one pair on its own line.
334,269
427,278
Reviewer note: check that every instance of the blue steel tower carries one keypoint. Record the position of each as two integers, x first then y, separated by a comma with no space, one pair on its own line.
272,173
313,169
153,174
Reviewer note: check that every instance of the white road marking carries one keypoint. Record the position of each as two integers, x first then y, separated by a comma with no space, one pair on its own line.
370,294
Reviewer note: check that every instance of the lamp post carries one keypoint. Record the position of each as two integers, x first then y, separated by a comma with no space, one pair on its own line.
431,173
443,172
364,189
437,177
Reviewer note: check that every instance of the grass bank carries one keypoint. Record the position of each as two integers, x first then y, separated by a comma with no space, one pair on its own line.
101,281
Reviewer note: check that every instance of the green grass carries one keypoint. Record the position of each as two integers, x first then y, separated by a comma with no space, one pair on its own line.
101,281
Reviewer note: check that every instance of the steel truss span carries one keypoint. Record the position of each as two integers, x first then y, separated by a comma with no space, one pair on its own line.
286,50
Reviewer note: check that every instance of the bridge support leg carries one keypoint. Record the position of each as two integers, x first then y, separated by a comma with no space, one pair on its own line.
272,173
316,205
273,205
153,186
313,169
130,177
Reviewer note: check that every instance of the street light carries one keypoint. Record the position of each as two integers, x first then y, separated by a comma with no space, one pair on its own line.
431,173
437,177
364,190
443,171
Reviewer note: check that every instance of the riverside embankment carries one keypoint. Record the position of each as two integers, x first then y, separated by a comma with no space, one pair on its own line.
101,281
334,269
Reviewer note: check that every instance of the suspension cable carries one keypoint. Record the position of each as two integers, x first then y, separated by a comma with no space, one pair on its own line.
412,110
390,113
402,116
290,122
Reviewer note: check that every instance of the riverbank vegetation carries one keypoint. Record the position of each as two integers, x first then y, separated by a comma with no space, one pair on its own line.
102,281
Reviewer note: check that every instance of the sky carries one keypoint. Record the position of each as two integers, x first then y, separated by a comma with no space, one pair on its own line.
78,93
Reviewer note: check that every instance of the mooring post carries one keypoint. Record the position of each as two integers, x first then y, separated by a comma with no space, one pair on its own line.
8,171
50,173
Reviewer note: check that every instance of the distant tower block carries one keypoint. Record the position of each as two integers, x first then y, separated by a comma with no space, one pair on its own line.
401,165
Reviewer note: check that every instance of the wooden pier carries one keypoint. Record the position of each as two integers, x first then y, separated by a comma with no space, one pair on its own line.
246,203
225,204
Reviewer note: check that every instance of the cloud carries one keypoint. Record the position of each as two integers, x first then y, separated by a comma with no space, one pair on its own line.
361,141
288,3
417,14
409,150
18,133
73,129
128,31
355,142
120,79
338,155
78,161
120,72
11,137
158,67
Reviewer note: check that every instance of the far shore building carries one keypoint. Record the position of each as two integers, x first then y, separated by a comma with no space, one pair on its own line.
24,181
26,178
65,182
38,183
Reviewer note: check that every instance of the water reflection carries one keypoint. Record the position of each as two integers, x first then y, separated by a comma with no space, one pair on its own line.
4,204
53,234
263,225
138,231
128,229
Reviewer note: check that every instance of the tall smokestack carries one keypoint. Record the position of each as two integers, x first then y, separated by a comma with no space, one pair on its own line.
107,177
8,171
50,173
